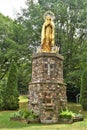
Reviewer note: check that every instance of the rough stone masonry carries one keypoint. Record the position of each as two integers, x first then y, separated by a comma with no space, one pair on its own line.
47,91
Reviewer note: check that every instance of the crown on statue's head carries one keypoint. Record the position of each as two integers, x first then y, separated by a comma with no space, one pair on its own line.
49,13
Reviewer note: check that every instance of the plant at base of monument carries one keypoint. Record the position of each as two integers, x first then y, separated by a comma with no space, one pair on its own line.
69,115
24,114
83,92
66,114
11,95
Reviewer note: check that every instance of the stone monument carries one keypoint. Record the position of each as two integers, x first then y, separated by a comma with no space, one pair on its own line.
47,91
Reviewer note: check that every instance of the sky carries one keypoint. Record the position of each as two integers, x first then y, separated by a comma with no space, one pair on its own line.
11,7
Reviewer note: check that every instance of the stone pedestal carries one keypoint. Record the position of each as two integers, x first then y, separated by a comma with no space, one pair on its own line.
47,91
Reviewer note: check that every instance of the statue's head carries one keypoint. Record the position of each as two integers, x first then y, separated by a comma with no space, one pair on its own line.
49,15
48,18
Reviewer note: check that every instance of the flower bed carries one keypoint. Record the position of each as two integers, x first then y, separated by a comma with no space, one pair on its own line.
67,116
25,116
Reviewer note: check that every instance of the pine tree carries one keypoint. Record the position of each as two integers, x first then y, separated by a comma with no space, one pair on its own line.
11,94
1,97
83,93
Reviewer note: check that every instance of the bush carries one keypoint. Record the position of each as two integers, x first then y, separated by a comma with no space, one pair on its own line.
83,92
25,114
11,100
66,114
3,84
1,102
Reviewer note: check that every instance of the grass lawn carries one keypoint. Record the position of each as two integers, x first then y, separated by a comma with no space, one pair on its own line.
6,124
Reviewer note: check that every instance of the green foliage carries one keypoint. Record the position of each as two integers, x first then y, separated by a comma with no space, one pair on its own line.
14,45
25,114
3,85
1,97
83,93
66,114
11,95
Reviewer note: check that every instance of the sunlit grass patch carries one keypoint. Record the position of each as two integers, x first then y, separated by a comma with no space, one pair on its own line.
23,98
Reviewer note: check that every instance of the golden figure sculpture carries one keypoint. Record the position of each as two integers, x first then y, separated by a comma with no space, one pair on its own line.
47,35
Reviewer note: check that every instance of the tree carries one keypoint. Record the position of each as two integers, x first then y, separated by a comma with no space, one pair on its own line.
8,45
83,93
14,45
1,97
3,85
11,91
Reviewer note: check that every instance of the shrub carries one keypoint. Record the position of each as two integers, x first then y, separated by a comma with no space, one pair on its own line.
66,114
1,101
25,114
11,100
83,92
3,84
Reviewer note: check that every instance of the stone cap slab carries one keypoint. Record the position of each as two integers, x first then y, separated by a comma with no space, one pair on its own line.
47,54
47,82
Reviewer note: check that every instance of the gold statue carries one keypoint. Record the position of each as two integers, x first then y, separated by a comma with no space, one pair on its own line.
47,35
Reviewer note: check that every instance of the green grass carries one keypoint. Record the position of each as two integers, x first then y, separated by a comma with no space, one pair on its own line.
7,124
23,101
77,108
23,98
